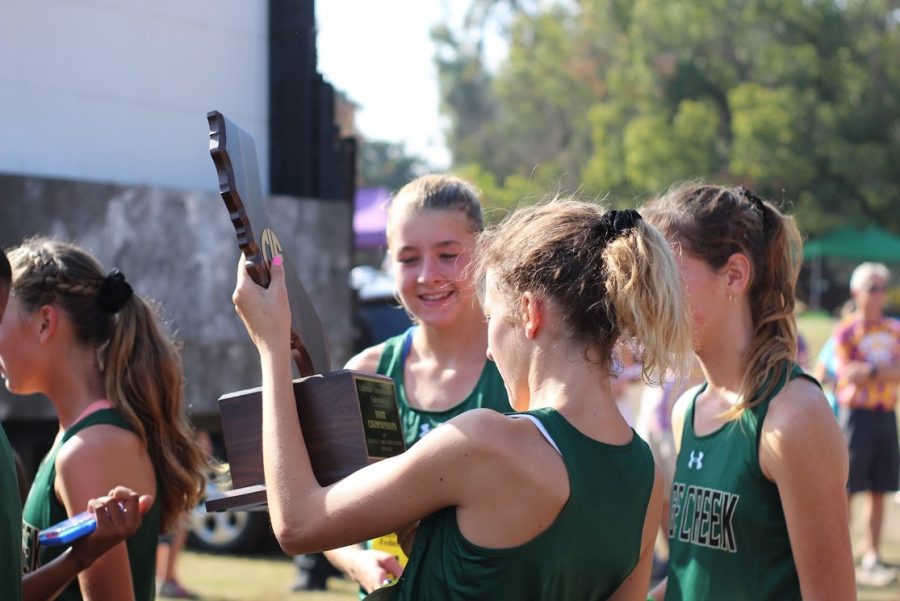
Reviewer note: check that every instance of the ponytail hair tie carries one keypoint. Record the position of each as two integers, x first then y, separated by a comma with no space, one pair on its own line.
114,292
615,223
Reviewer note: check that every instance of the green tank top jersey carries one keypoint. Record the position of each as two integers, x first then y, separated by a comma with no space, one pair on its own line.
584,555
489,391
10,524
727,534
42,509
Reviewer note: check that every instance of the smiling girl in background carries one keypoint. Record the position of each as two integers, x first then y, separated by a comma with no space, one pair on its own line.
439,365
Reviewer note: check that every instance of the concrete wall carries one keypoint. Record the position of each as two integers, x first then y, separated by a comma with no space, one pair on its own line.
180,248
118,90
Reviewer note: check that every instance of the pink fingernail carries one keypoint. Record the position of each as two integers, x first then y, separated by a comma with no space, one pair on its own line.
277,261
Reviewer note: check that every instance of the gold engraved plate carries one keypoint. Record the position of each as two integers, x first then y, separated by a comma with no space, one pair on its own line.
380,417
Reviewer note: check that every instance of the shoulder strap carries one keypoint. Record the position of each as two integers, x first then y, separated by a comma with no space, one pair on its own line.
94,407
797,372
407,344
687,424
540,426
762,410
392,353
102,416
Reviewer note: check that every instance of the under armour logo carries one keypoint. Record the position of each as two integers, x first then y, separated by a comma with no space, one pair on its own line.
696,461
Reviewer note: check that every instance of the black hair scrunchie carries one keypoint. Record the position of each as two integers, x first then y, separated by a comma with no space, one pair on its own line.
615,223
114,292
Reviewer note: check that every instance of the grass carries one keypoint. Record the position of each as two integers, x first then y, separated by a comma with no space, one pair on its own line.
263,578
268,578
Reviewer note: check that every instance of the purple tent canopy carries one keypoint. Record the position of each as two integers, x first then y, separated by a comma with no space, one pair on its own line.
370,218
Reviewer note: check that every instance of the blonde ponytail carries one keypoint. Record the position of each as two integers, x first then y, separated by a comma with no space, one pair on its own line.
644,288
610,275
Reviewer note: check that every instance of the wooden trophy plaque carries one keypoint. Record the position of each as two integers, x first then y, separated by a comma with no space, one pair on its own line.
349,419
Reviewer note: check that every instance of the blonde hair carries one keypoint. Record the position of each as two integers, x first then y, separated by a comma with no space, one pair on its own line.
714,222
141,366
611,275
436,192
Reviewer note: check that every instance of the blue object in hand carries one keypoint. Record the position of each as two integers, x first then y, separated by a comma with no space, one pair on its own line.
68,530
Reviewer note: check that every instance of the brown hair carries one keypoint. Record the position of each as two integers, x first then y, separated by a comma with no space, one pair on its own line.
714,222
140,364
436,192
610,274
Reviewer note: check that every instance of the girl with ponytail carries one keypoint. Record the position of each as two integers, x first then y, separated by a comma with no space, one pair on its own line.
89,343
560,501
758,504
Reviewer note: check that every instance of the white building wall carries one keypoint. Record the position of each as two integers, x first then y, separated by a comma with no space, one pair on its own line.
118,90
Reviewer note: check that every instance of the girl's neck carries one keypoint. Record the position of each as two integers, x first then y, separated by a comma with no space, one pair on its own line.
552,370
76,384
561,378
461,341
582,393
722,359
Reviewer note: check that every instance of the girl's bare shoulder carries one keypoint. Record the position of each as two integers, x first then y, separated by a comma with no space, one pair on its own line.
800,401
98,444
366,360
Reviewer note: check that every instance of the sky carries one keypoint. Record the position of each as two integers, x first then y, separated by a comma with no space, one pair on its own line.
380,55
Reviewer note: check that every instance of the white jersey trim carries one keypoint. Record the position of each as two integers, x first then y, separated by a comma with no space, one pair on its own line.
537,423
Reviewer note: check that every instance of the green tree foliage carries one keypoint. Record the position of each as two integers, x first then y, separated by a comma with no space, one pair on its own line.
798,99
387,165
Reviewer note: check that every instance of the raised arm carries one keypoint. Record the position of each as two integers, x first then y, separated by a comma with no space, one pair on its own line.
373,501
803,452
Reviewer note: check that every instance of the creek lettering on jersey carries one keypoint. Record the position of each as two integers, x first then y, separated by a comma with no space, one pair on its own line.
703,516
31,558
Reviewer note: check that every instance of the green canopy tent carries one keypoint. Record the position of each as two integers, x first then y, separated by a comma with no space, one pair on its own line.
868,244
